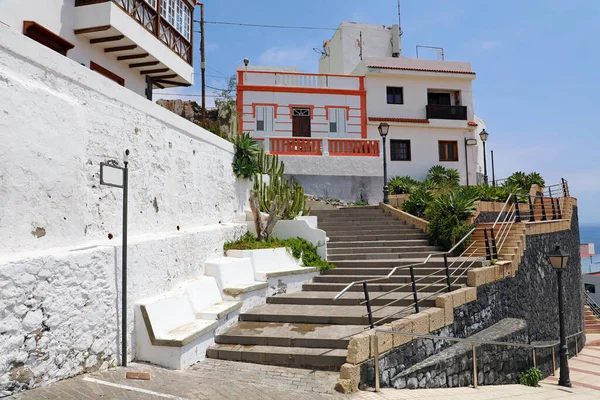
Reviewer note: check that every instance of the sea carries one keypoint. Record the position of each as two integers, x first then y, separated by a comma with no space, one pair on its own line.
590,233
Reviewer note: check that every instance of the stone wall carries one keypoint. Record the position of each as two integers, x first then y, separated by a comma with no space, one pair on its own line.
60,273
531,296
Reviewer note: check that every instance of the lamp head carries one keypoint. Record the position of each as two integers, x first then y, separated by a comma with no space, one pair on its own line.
558,258
246,62
483,135
383,128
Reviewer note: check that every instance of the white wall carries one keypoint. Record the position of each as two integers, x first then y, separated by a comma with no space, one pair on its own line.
283,120
593,280
415,94
59,303
344,47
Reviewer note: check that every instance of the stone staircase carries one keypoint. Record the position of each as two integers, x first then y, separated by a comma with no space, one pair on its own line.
592,322
309,328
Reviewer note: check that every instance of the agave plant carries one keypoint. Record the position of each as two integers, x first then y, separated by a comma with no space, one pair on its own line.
443,177
417,202
245,162
402,185
518,179
535,178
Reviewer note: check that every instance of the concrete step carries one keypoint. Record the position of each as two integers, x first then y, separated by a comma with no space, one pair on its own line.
377,256
358,237
433,262
335,315
381,250
401,299
375,287
289,335
349,210
285,356
419,270
420,279
380,243
350,223
366,230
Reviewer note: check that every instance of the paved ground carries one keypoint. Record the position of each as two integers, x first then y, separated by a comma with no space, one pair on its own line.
216,379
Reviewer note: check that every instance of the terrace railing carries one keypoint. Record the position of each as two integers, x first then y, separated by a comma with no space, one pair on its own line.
297,146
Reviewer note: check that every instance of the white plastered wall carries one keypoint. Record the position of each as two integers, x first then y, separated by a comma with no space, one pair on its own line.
59,272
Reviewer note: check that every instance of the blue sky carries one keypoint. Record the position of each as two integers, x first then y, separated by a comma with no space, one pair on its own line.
537,64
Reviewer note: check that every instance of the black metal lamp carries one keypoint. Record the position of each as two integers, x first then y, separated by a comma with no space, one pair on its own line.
483,135
559,260
384,129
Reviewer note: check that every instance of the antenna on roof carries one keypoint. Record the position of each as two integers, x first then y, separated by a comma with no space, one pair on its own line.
399,21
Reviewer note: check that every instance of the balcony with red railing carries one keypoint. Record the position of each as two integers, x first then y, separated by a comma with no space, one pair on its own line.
295,146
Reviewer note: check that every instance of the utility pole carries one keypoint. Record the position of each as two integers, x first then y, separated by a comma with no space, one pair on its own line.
202,63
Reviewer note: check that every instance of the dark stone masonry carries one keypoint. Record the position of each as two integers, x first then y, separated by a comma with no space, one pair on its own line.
530,297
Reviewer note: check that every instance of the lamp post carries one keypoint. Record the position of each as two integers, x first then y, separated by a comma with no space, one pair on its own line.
558,260
483,135
384,128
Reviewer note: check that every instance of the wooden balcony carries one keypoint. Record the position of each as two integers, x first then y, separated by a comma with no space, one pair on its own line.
446,112
150,18
351,147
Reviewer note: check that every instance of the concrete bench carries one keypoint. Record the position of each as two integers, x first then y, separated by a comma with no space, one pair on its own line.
175,328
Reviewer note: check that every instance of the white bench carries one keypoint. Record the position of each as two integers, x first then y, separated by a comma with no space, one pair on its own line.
174,329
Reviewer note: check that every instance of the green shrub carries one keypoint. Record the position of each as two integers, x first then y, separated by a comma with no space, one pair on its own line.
443,177
245,162
446,215
523,181
531,377
402,185
417,202
298,247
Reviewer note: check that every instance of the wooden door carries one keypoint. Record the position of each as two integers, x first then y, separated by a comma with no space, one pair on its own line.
301,122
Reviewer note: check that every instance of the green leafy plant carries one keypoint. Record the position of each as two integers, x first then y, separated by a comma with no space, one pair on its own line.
523,181
535,178
531,377
443,177
446,215
245,163
298,247
360,203
417,202
402,185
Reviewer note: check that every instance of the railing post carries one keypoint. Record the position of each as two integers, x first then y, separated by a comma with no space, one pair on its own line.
494,250
544,218
558,208
366,290
267,145
552,203
517,208
447,272
487,245
531,210
474,367
414,288
325,146
553,362
376,360
534,360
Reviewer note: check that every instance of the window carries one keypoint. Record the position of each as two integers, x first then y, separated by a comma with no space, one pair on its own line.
439,99
394,95
337,120
103,71
152,3
448,150
589,287
46,37
400,150
177,13
264,118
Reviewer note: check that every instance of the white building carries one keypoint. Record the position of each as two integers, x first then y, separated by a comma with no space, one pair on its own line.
129,41
324,125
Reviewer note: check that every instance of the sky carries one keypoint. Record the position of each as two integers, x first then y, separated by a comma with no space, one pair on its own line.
537,64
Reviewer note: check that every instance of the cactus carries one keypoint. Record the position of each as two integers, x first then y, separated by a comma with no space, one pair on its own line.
288,195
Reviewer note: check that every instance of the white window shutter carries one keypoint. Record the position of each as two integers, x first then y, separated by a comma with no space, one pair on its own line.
341,120
269,119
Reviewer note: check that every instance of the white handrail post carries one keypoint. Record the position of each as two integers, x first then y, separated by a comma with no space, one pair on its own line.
267,145
325,144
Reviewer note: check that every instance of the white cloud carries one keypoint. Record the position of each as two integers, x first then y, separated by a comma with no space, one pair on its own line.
489,44
287,56
212,47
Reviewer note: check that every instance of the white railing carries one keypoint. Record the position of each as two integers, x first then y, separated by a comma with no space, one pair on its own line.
298,146
305,80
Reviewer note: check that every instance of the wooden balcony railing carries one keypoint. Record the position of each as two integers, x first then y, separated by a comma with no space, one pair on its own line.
436,111
296,146
351,147
151,19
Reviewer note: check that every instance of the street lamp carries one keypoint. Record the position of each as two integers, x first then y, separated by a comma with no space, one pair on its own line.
483,135
384,128
558,260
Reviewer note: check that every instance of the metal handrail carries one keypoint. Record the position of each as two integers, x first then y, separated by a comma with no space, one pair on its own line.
594,307
474,343
350,285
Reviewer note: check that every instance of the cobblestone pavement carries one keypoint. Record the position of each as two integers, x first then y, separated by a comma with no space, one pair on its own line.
210,379
216,379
